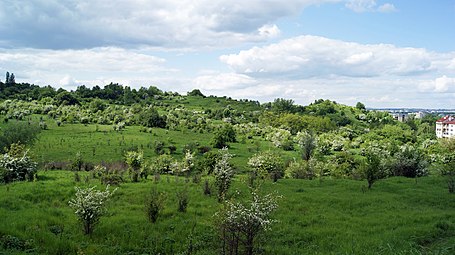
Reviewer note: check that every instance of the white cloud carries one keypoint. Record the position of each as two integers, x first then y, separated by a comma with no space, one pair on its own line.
441,84
223,82
361,5
369,6
313,56
68,82
98,66
55,24
387,8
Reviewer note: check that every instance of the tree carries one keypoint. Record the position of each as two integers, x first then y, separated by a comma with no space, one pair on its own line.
7,78
281,105
89,206
307,143
151,118
223,136
12,79
409,161
360,106
195,92
66,98
373,167
18,132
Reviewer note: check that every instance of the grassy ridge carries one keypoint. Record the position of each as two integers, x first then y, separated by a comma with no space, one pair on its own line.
399,216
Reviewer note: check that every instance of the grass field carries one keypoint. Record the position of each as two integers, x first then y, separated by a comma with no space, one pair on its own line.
99,143
398,216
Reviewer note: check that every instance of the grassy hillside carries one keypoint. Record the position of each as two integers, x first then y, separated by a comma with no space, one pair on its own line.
398,216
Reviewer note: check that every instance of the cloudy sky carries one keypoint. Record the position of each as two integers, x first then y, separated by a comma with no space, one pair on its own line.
391,53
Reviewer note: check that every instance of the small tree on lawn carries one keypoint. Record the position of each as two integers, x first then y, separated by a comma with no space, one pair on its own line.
223,173
134,160
239,225
373,167
89,206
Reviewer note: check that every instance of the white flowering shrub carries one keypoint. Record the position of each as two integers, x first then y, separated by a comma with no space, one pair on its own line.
89,205
267,163
240,225
223,173
134,160
16,167
187,163
281,138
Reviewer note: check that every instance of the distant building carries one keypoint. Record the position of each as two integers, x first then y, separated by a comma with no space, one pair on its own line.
445,127
419,115
401,117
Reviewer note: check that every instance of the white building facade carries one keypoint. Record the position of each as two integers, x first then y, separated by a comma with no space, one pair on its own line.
445,127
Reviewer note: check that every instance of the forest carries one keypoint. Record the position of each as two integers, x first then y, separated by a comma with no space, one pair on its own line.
116,170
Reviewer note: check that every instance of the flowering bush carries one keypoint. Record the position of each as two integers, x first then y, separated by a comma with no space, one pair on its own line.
281,138
134,160
223,173
267,162
239,224
89,206
16,166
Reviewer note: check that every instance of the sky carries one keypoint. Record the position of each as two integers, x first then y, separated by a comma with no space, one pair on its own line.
381,53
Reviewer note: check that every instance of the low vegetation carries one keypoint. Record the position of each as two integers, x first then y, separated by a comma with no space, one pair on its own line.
200,174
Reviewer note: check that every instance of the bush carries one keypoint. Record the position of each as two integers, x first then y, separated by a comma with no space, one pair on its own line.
267,162
240,225
154,204
18,132
16,165
134,160
223,136
89,206
301,170
182,199
223,173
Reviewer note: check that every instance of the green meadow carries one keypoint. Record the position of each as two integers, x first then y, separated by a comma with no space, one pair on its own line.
398,216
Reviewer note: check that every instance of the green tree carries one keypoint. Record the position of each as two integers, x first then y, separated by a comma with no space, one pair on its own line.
18,132
195,92
307,144
223,136
151,118
360,106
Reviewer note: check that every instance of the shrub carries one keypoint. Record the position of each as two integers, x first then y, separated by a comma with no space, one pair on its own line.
108,177
182,199
162,164
89,206
206,188
301,169
18,132
267,162
16,165
154,204
223,173
134,160
223,136
78,162
240,225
